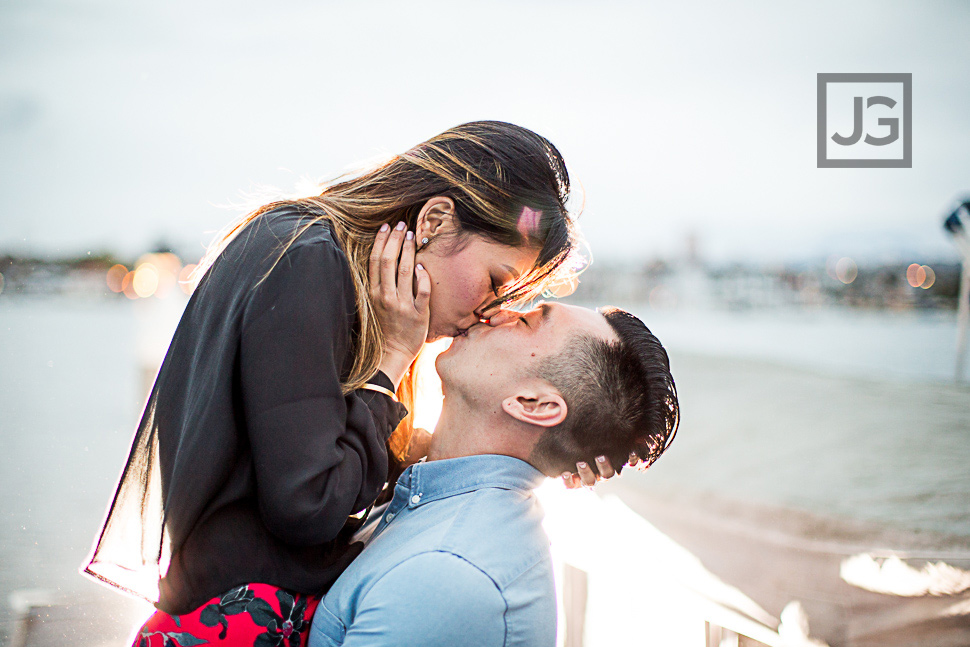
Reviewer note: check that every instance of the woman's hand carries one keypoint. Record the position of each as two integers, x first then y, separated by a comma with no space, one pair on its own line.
404,315
586,476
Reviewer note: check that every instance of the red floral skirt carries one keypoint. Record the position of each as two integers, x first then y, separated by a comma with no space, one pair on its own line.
252,614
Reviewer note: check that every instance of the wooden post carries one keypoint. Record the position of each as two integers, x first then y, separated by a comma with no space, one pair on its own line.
963,316
574,594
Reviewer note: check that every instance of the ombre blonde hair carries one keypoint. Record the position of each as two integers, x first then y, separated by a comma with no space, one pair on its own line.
492,170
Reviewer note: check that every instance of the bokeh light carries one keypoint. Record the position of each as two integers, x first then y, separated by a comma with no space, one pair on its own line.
930,277
168,266
145,281
115,277
917,275
155,274
126,285
846,270
185,280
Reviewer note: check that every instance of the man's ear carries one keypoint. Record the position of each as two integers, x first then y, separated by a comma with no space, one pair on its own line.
543,407
436,217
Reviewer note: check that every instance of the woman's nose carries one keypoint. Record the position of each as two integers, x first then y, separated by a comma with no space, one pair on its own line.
500,317
484,315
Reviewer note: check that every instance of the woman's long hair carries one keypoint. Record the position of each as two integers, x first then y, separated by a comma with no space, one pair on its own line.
491,170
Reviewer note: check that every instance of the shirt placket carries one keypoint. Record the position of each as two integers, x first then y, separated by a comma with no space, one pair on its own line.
399,502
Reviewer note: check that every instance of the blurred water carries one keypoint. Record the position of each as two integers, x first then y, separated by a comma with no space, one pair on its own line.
907,346
844,413
69,395
864,428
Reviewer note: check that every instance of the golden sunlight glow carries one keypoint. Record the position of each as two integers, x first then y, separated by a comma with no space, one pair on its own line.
674,602
428,399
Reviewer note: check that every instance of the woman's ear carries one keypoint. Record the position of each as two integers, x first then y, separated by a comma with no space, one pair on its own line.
542,406
436,217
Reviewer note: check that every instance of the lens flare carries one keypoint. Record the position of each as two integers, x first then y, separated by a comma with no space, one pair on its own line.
930,277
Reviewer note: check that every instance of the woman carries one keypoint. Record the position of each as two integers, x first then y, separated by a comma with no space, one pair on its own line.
281,409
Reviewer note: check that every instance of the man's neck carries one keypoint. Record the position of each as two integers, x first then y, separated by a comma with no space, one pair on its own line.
463,432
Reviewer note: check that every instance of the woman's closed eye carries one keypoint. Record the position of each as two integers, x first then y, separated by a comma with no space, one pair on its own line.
523,320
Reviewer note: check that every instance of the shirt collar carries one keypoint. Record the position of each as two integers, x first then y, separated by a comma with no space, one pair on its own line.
433,480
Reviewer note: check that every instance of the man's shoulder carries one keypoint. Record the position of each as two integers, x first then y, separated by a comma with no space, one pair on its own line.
481,554
499,531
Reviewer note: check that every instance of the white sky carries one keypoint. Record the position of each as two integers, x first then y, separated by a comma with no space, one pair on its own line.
124,123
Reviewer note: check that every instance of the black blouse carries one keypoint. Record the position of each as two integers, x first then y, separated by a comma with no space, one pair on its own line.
248,458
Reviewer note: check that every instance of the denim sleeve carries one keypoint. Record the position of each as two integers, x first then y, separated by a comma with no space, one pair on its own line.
432,599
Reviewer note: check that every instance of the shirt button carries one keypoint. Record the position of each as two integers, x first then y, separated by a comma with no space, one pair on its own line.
390,517
416,498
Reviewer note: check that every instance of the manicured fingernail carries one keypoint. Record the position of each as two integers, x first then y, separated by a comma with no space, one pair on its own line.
581,464
385,227
567,475
400,225
420,266
601,459
409,235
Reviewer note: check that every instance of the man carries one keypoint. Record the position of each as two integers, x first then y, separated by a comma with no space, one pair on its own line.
460,557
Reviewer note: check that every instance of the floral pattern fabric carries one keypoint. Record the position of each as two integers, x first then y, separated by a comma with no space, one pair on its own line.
257,615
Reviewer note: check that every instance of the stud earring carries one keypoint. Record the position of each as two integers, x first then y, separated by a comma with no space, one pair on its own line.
424,241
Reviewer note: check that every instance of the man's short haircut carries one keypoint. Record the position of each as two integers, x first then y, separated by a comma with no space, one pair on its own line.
620,398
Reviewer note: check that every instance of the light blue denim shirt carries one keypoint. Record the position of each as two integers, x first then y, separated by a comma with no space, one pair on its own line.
459,558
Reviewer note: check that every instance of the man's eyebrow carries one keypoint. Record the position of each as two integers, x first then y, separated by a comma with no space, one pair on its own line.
511,269
545,308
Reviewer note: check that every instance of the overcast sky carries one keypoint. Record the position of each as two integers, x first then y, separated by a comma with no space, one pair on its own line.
125,123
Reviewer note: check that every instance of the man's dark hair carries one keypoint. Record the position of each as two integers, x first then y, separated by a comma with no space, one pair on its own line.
620,399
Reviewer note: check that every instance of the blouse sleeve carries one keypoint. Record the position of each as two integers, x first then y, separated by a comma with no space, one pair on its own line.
319,455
